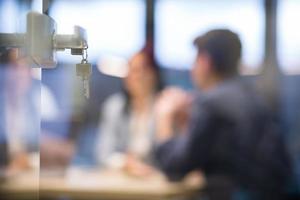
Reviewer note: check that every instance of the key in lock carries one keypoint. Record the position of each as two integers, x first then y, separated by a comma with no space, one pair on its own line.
84,70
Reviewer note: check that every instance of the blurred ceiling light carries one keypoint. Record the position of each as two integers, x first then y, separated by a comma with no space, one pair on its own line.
113,66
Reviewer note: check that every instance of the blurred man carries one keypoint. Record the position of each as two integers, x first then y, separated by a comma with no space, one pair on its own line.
230,135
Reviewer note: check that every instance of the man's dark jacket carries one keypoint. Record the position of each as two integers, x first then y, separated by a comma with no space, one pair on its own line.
231,135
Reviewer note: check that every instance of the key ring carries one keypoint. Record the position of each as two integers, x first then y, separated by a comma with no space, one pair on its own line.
85,55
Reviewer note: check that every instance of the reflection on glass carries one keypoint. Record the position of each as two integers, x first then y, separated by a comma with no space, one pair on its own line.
19,125
8,10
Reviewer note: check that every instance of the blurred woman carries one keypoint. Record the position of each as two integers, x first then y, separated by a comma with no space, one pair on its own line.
127,124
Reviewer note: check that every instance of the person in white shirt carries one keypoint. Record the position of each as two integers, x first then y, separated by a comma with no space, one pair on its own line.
126,132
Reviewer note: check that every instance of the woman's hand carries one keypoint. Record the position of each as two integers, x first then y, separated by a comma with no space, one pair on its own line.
172,111
136,167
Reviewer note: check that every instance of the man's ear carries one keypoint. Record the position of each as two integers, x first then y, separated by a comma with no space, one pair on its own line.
204,60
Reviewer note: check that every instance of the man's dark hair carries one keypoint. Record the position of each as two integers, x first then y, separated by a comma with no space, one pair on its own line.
224,48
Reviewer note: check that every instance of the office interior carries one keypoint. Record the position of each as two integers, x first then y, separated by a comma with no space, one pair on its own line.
67,123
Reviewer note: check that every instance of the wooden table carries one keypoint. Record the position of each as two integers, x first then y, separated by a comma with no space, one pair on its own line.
23,186
99,184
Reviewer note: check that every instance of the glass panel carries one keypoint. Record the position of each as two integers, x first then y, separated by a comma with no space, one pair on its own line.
288,36
113,27
179,22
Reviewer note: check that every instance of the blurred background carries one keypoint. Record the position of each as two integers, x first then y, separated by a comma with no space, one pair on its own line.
117,29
